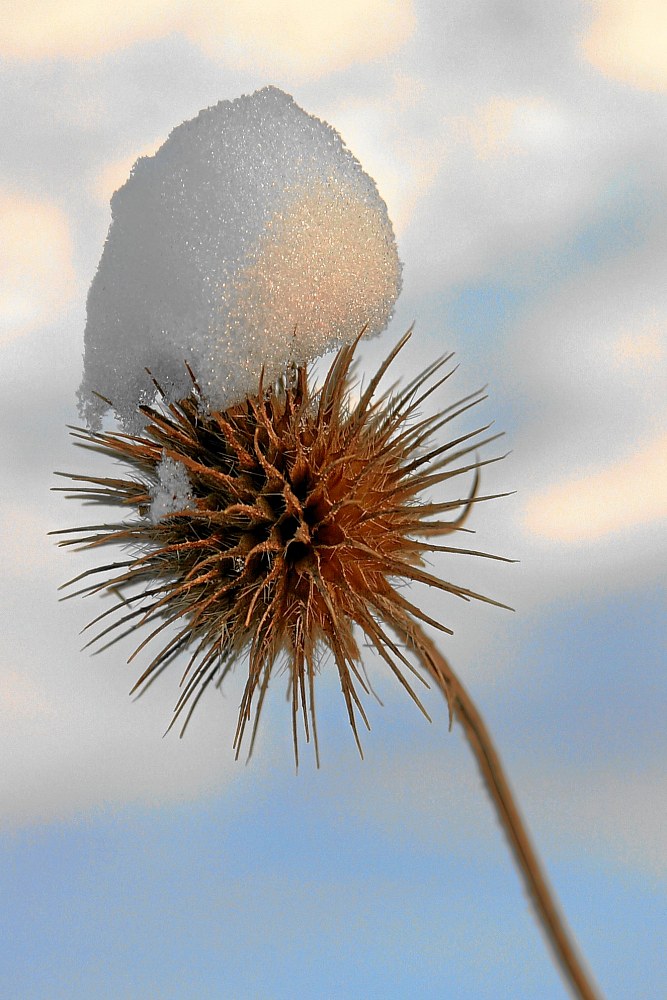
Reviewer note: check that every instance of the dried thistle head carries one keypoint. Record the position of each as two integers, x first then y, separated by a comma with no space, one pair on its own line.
278,526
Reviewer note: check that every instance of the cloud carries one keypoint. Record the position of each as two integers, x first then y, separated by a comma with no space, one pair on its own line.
520,149
72,740
82,29
70,755
586,366
642,348
298,38
588,361
626,41
516,173
628,493
507,126
534,148
21,697
37,277
23,534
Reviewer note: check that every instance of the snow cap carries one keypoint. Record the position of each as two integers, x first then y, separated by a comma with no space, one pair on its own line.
250,240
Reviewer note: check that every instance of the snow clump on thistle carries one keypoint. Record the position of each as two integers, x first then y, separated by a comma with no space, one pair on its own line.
251,240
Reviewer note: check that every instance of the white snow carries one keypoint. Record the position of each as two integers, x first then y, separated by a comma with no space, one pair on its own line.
172,491
251,239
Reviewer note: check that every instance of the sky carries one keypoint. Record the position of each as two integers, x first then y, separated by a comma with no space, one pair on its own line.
520,148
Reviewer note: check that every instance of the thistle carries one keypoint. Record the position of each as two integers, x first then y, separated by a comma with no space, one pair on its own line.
298,516
267,521
279,527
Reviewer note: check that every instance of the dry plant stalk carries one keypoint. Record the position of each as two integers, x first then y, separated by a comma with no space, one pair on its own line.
305,516
507,810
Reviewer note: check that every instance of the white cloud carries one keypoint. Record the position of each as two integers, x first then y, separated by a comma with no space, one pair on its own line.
506,126
85,754
71,738
627,41
37,278
22,698
589,361
588,366
299,39
516,173
24,536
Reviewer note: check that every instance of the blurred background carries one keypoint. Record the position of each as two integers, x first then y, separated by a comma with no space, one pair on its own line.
521,147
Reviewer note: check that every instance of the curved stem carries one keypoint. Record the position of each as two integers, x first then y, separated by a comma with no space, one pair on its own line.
464,709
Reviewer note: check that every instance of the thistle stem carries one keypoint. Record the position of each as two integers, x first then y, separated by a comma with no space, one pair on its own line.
464,709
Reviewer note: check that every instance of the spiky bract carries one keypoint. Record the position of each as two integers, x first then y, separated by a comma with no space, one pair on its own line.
306,515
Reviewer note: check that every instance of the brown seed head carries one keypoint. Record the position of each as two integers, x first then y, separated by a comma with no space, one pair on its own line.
303,516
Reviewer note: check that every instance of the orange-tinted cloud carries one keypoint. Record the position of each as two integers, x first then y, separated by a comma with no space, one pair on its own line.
628,41
643,348
36,273
83,29
298,38
627,494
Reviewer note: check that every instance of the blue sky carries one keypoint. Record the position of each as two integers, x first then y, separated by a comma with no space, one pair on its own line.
520,148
